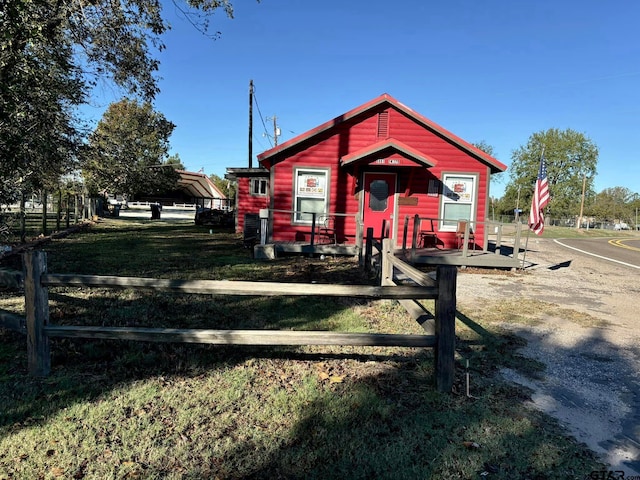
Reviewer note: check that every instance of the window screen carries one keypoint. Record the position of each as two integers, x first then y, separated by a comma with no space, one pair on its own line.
258,186
378,195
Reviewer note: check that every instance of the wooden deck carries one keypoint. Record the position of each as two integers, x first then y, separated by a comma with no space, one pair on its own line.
494,253
490,258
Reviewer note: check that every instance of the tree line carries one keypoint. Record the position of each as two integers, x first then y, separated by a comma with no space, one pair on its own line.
571,159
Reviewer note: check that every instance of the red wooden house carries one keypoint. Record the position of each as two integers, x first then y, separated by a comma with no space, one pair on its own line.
379,162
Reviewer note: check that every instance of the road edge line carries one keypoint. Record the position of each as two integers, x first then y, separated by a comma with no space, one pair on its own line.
595,255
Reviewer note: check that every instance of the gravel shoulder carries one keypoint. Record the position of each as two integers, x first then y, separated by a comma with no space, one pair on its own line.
591,383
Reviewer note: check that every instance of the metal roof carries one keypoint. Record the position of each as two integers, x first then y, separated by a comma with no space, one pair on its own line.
198,185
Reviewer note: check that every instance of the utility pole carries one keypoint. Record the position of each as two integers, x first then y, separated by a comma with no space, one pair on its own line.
250,123
276,132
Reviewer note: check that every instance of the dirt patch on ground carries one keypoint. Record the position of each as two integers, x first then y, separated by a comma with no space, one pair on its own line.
584,325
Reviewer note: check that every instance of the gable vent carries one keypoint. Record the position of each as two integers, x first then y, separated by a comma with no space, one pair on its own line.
383,124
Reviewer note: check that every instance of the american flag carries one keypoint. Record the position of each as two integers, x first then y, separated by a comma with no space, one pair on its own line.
540,200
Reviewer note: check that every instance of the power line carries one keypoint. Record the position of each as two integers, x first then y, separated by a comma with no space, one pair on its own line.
261,118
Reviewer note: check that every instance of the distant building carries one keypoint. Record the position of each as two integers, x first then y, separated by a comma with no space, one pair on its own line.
194,189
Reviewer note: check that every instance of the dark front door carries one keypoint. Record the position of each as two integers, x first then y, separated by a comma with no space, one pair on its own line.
379,202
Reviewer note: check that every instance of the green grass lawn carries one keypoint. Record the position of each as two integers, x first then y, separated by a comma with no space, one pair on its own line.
118,409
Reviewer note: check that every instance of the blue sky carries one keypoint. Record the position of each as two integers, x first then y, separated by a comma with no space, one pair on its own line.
496,70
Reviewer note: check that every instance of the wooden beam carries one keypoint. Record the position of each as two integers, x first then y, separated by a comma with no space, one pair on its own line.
386,276
36,300
420,314
368,253
242,337
445,328
421,278
222,287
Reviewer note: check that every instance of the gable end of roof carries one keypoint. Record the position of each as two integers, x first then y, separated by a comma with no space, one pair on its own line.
273,155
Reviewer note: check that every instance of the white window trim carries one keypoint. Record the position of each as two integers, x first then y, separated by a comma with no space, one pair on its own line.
260,181
473,178
296,172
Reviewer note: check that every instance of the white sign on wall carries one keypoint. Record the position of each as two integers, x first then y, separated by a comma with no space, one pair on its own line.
459,189
311,185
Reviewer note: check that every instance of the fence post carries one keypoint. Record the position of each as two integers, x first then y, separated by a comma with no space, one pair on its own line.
68,209
499,239
59,212
359,232
445,327
386,270
36,298
414,238
313,228
516,241
44,213
368,252
404,234
416,231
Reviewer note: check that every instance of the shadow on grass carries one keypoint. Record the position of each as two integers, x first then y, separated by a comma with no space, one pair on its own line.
382,418
488,351
293,413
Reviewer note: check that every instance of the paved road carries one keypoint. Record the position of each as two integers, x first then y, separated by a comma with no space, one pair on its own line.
591,382
622,251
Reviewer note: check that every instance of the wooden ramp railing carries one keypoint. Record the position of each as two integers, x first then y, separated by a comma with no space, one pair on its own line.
39,330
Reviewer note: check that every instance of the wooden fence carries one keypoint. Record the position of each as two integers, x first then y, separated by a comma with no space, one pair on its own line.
39,330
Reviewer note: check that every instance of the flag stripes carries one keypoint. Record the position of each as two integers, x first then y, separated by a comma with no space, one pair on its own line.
540,199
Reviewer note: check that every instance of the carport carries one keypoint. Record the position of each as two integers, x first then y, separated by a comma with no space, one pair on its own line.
202,190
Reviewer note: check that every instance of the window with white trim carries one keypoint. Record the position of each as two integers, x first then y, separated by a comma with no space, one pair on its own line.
458,200
310,193
259,187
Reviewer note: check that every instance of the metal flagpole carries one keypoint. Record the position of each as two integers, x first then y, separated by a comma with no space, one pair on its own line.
526,243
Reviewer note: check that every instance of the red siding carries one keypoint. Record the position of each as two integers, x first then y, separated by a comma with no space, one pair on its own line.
325,150
324,154
248,203
450,159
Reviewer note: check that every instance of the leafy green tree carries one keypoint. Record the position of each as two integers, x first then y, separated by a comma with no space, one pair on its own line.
52,52
126,152
570,157
175,162
225,186
616,204
39,88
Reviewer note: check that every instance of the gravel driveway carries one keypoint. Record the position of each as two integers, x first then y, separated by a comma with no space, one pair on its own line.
592,380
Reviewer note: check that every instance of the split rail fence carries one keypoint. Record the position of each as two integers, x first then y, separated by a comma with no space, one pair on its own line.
36,324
